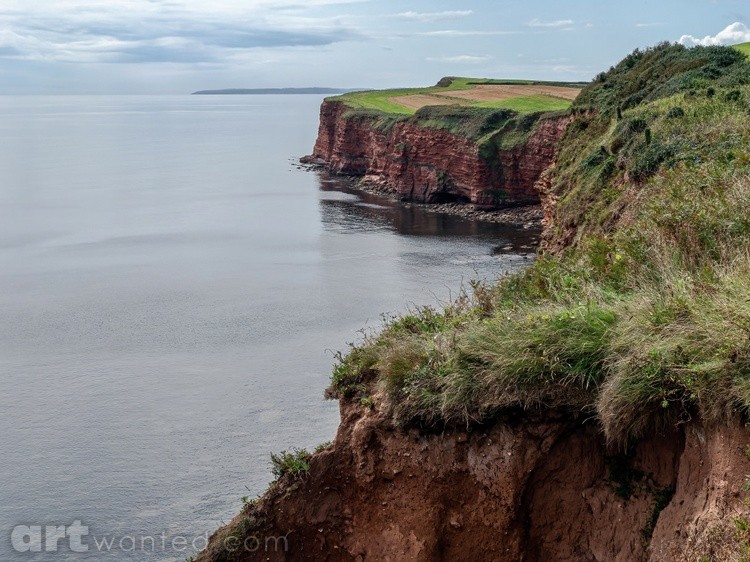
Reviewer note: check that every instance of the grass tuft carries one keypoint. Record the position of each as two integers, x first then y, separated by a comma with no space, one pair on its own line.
294,464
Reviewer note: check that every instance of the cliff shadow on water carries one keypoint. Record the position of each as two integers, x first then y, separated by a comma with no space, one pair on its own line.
344,204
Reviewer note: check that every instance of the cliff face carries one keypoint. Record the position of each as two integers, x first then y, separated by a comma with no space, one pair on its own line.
431,164
525,489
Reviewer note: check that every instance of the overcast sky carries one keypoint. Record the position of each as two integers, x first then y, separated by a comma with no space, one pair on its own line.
177,46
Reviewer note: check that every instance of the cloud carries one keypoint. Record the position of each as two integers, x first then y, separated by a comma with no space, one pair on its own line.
461,59
536,22
427,17
730,35
180,31
464,33
564,68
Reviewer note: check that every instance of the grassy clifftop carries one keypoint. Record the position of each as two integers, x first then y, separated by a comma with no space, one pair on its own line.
641,315
495,114
517,95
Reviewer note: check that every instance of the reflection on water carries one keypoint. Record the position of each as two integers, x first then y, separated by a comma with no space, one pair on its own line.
347,208
384,243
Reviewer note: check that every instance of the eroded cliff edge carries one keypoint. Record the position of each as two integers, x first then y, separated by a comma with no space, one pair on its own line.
527,488
592,408
492,161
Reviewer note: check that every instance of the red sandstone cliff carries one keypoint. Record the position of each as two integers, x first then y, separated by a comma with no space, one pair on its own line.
431,164
525,489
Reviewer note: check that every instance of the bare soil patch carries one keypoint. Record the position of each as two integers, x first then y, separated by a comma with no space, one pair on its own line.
495,92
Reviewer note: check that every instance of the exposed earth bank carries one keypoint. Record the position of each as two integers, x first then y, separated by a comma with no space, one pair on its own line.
528,488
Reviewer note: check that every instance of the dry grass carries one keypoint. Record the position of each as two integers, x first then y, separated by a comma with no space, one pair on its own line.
497,92
483,93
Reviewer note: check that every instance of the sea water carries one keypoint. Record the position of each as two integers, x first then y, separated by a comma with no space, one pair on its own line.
172,290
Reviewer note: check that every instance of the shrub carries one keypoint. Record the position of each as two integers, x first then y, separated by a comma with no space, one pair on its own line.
675,112
637,125
648,160
733,96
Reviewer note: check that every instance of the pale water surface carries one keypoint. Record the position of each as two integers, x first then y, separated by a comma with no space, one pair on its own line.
171,286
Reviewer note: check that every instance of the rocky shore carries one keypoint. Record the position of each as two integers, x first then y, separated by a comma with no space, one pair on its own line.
527,216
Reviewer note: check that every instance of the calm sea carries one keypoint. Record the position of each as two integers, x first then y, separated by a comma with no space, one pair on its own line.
171,289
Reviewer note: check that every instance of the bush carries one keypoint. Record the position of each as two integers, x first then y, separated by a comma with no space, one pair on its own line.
637,125
662,71
675,112
470,122
648,160
733,96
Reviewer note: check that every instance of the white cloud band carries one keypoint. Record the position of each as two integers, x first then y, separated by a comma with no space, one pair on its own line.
426,17
536,22
730,35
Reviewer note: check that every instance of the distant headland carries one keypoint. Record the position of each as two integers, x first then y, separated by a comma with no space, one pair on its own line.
256,91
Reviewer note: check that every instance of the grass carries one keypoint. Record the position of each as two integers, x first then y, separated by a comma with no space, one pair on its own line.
528,104
743,48
640,317
380,100
475,123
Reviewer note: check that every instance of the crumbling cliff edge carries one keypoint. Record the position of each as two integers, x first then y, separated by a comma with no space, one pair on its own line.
526,488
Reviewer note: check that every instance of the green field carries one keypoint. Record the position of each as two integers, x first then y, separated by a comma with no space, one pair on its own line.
743,48
378,100
382,100
528,104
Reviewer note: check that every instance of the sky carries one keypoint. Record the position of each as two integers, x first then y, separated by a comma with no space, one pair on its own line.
178,46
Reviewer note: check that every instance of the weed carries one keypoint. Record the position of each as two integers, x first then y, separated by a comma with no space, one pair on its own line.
322,447
294,464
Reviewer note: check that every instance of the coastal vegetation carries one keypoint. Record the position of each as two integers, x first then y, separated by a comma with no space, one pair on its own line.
293,464
638,312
